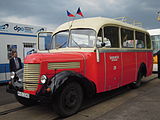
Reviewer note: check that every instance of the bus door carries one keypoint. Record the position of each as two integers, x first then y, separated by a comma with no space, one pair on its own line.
113,70
113,56
129,57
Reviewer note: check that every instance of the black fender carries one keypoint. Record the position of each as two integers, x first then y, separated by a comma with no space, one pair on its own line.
62,78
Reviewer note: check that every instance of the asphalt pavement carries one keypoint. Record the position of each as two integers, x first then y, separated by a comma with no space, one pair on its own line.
145,106
5,98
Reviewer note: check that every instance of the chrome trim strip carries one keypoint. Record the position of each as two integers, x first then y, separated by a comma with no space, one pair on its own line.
63,65
121,81
105,69
101,50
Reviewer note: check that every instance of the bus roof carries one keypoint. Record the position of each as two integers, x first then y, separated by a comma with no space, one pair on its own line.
95,23
154,31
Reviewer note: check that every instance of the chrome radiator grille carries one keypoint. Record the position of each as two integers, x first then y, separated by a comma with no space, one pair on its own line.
31,76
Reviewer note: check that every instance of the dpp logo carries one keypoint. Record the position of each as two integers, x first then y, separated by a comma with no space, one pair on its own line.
4,27
23,29
16,28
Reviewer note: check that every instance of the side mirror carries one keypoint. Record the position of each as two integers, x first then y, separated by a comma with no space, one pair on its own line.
103,44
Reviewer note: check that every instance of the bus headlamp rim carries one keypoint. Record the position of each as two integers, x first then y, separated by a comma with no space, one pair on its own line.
43,79
13,74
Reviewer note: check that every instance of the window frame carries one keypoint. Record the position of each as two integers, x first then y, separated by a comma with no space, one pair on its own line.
147,34
109,25
126,28
120,40
144,39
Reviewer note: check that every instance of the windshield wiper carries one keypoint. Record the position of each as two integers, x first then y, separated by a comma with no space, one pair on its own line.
62,44
76,43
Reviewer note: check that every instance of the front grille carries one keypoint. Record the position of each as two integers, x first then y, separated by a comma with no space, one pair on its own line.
31,76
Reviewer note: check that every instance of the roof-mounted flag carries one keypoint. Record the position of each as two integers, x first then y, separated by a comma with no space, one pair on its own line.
69,14
79,12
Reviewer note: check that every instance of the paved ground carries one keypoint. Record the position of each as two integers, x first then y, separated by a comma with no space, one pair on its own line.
145,106
5,97
121,104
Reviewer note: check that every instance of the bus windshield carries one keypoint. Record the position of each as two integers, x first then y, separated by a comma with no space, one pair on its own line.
76,38
82,38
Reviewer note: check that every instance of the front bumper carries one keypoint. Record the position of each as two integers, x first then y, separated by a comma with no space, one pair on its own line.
39,96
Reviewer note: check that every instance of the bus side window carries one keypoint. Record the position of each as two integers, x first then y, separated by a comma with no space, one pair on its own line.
111,36
148,41
127,38
140,40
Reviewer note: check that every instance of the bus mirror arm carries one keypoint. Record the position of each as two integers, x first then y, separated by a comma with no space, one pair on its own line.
97,55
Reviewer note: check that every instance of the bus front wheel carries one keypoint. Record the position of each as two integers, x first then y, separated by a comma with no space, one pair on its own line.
68,101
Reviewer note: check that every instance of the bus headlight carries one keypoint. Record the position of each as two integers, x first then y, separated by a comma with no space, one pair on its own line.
43,79
13,74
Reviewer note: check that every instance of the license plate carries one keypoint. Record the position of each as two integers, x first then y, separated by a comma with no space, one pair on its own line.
22,94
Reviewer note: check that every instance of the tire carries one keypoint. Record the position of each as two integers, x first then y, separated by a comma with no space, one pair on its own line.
26,101
137,83
68,101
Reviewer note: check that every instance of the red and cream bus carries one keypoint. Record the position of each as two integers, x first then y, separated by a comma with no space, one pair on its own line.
81,58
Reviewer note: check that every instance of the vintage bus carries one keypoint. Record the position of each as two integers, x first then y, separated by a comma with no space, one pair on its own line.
155,38
81,58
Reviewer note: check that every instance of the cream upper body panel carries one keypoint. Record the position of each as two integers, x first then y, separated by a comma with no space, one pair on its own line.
95,23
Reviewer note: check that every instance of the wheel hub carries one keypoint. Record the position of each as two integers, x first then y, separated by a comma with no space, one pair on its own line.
71,99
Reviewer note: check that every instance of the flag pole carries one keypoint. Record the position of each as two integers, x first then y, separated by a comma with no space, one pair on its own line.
70,24
79,12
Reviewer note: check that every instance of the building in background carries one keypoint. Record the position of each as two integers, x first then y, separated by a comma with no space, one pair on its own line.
18,37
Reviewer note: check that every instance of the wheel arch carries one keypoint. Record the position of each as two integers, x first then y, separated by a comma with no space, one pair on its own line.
143,69
64,77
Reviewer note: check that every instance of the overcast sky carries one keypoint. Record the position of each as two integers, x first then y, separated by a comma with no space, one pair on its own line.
52,13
